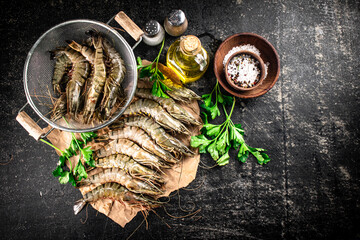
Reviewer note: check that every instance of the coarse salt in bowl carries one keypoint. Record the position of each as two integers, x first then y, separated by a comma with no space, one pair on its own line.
244,70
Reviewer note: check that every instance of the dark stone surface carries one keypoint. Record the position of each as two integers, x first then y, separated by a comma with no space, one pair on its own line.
309,122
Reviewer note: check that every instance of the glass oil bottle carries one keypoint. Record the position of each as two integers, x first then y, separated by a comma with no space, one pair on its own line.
187,58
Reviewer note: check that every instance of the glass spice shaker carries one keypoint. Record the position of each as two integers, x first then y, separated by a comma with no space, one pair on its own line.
176,23
153,33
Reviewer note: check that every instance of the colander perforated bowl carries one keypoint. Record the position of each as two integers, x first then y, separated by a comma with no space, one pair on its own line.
39,69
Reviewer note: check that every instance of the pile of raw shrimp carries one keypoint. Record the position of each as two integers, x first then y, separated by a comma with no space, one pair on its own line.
138,147
88,77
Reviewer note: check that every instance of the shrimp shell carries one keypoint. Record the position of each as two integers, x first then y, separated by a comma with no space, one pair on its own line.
156,132
114,79
170,105
179,92
86,51
140,137
62,66
154,110
129,165
117,192
129,148
98,80
79,73
121,177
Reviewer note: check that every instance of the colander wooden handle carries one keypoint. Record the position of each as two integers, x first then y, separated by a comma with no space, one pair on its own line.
129,26
30,125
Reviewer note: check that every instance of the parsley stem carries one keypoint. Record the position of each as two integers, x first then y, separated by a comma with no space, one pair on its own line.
73,136
158,56
44,141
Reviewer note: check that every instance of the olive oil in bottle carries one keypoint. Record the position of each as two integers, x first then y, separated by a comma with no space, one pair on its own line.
187,58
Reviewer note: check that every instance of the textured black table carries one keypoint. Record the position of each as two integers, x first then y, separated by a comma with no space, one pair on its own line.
309,122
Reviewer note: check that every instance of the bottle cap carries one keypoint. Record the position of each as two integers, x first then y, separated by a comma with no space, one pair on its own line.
176,17
152,28
190,44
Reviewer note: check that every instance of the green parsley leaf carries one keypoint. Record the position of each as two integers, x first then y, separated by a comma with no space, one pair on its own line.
139,62
87,154
243,156
213,151
199,140
213,110
207,99
72,180
64,178
159,88
80,171
228,100
224,159
145,71
204,117
223,136
211,129
88,136
58,171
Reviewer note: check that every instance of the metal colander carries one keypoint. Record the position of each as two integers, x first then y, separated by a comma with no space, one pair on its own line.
39,69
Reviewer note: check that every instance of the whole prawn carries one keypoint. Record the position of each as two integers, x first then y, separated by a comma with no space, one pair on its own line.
114,79
98,80
79,73
154,110
180,93
117,192
129,148
130,166
120,176
140,137
85,50
170,105
156,132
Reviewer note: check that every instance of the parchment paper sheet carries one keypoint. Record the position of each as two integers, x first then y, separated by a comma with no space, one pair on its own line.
177,177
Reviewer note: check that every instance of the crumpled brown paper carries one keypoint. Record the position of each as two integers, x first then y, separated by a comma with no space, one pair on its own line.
177,177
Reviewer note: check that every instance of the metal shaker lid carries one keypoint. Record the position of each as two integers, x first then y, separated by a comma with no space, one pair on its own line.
152,28
176,17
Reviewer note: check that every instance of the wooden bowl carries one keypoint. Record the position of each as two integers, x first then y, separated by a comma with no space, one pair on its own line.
261,67
267,53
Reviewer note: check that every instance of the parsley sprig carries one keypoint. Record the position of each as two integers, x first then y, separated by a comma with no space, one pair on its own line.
218,139
76,148
156,76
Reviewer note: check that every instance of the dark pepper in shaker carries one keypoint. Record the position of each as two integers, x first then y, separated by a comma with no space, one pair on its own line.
153,33
176,23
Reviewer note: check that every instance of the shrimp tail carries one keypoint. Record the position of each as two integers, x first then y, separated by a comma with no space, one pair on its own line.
79,205
83,183
102,138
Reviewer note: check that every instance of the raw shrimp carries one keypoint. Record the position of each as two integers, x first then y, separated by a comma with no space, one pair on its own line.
133,150
98,80
85,50
170,105
114,79
156,132
129,165
79,73
180,93
117,192
120,176
62,66
140,137
154,110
